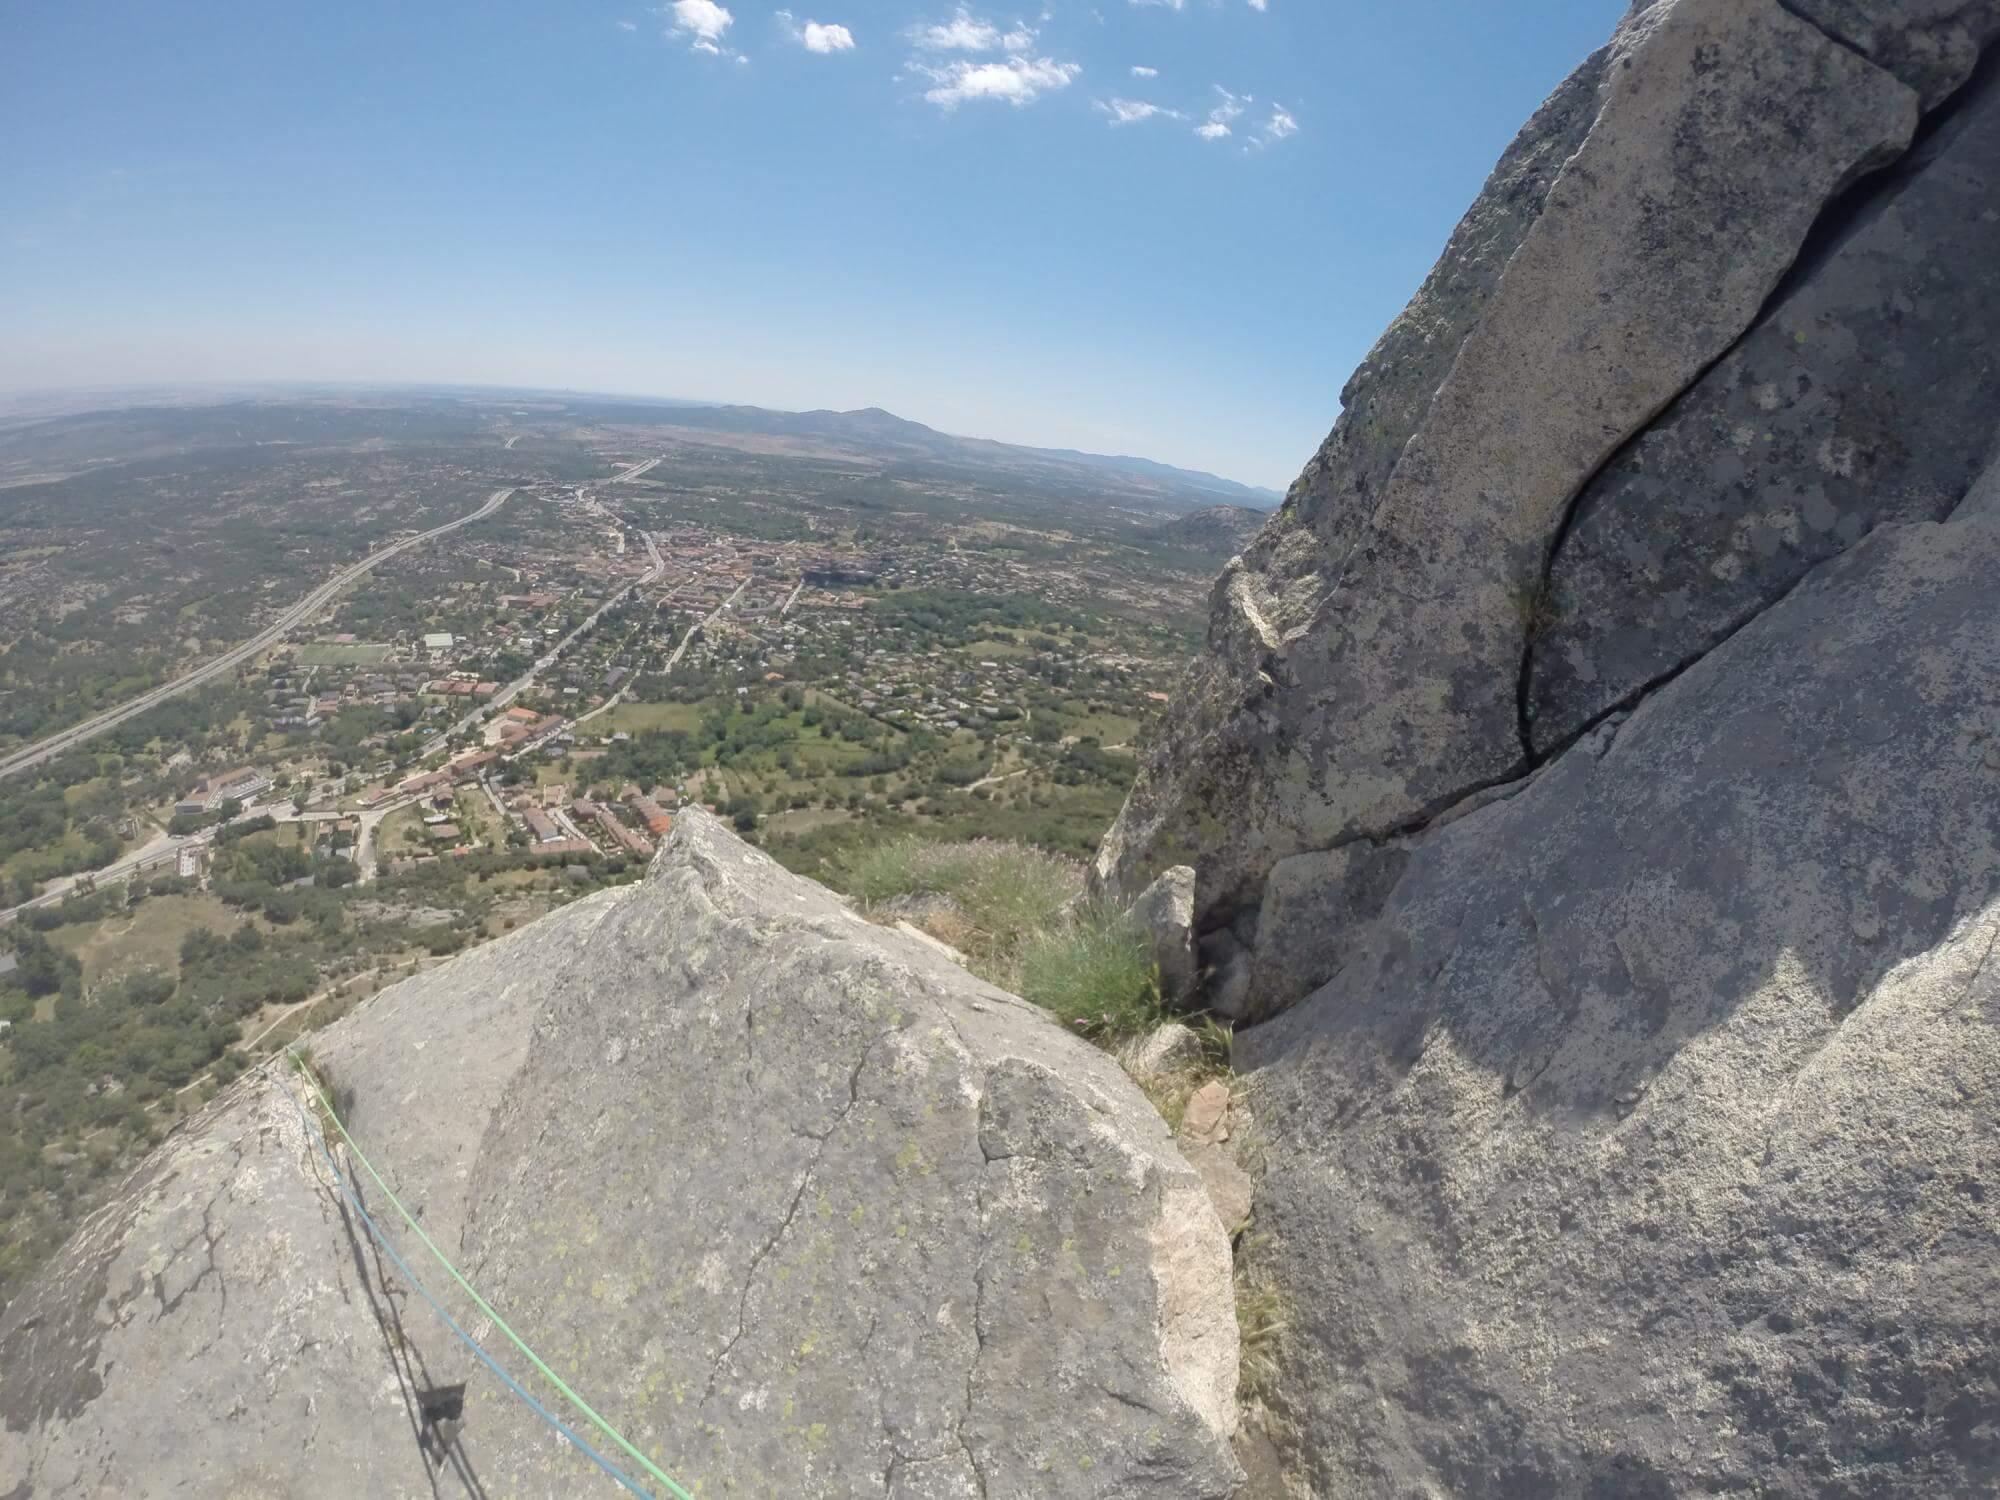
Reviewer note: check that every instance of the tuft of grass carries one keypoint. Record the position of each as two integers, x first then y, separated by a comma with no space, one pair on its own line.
317,1084
1218,1046
1004,890
990,895
1016,913
1094,971
1535,605
881,872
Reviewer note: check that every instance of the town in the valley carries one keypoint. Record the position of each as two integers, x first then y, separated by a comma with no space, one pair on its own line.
343,706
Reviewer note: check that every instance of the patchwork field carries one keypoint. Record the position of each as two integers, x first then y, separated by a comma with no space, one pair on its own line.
343,654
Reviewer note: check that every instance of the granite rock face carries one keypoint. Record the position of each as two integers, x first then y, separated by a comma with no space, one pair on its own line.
797,1203
1364,654
1721,310
1593,787
1645,1145
1864,396
1932,45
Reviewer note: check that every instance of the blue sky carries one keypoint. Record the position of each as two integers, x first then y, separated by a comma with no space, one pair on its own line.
982,218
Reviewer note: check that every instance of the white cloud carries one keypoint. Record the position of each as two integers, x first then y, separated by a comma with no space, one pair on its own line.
1280,127
1260,4
965,32
704,22
628,25
1018,78
1170,4
1224,115
815,36
1014,80
1133,111
1140,70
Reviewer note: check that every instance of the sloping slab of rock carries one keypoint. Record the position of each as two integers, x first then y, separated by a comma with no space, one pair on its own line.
793,1200
1646,1145
223,1328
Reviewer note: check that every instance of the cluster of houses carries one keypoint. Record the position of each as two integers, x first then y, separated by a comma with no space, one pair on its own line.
461,685
518,728
555,823
292,704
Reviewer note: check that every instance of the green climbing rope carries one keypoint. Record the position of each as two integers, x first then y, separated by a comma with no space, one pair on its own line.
480,1302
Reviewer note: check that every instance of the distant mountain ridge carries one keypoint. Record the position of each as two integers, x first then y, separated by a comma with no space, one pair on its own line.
870,428
874,425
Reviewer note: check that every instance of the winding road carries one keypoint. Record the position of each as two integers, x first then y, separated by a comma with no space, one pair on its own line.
68,739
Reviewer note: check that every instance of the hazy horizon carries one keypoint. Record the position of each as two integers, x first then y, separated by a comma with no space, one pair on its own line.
1165,229
79,399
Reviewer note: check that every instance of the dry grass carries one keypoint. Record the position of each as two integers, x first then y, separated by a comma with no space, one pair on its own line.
321,1090
1535,605
147,937
1263,1317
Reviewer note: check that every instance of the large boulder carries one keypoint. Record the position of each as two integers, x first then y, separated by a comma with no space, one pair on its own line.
796,1203
1645,1145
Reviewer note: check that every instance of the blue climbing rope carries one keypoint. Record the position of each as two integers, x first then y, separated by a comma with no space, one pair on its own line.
318,1137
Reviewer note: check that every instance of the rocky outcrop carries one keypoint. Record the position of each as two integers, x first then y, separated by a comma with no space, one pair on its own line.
1645,1145
1365,654
793,1200
1164,912
1691,341
1590,786
1932,45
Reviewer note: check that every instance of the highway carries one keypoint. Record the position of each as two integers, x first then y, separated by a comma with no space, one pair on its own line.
305,609
635,471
